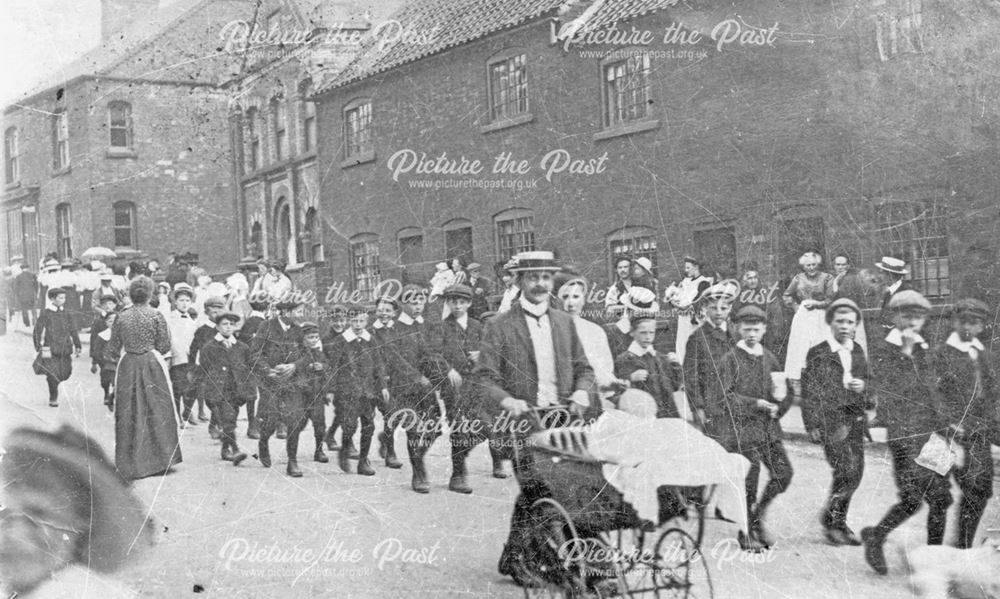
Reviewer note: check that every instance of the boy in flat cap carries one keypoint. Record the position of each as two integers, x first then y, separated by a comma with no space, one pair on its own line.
386,340
275,348
702,357
224,381
909,405
753,404
968,384
331,345
313,375
649,370
454,344
833,410
360,386
182,327
213,307
100,334
56,341
258,310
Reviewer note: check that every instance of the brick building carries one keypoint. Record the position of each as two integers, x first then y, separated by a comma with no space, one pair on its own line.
127,147
868,128
274,133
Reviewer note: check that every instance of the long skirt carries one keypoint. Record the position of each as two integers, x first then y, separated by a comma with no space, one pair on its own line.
808,328
146,422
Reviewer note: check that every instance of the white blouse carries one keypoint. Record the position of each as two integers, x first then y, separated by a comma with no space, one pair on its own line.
596,348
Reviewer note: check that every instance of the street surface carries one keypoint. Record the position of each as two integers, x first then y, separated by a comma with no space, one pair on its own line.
255,532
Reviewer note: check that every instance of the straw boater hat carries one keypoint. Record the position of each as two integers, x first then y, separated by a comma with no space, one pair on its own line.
645,263
892,265
67,464
726,290
640,300
536,260
50,265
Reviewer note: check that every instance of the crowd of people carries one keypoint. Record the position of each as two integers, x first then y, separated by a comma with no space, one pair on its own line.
439,352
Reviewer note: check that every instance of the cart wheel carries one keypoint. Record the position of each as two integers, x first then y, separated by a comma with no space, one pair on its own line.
633,568
563,576
681,570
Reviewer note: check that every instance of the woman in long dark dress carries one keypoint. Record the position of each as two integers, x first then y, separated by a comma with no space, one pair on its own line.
56,341
146,422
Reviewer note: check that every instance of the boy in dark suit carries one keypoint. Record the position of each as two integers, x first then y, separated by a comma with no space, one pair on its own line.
967,381
313,374
649,370
100,334
245,334
331,345
202,335
454,344
56,341
703,357
752,410
359,387
386,340
224,381
833,409
910,407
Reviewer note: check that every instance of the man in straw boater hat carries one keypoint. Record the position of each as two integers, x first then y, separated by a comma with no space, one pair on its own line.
703,356
894,273
531,357
834,382
274,350
69,520
967,380
909,405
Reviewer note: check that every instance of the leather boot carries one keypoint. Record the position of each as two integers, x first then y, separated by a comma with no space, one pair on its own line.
292,448
293,468
263,453
214,432
365,467
391,461
319,455
343,460
253,429
351,450
331,441
237,454
458,483
874,554
419,483
498,471
227,453
383,445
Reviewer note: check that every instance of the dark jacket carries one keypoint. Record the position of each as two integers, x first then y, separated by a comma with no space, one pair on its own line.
507,365
360,373
976,410
886,296
450,345
223,374
664,379
98,345
202,335
56,331
481,290
702,360
270,346
908,400
25,290
406,358
314,384
826,404
250,326
746,379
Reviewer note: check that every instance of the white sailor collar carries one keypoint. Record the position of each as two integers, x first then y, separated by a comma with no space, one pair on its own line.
964,346
836,346
895,337
378,324
349,335
405,318
624,325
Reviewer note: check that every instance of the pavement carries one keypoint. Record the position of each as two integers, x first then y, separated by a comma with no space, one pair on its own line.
254,532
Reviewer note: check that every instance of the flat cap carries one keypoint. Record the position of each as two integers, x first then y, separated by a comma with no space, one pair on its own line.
972,308
750,313
842,302
908,299
458,291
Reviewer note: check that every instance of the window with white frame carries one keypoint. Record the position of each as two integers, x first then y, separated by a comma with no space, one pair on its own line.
507,79
11,158
357,129
515,231
365,271
626,89
916,230
60,140
631,243
120,125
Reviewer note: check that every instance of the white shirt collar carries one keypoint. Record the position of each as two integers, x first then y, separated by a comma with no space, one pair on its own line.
407,319
538,310
463,320
639,350
895,337
836,346
227,341
349,335
378,325
964,346
757,350
892,288
284,325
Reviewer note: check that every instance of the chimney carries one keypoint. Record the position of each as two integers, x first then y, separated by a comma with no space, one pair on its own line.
116,15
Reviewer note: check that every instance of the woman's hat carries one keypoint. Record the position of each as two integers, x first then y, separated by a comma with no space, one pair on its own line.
841,303
66,463
50,265
640,300
163,284
107,274
892,265
971,308
692,260
645,263
536,260
107,297
574,281
182,288
215,301
458,291
726,290
908,300
52,293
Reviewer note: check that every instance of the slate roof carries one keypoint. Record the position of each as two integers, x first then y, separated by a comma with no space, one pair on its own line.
463,21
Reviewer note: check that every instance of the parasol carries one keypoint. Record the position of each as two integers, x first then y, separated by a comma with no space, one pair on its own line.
98,253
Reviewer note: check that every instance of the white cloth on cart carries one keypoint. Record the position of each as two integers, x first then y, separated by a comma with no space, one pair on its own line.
646,454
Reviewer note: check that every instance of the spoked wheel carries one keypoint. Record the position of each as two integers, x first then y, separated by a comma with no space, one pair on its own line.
682,570
560,573
634,563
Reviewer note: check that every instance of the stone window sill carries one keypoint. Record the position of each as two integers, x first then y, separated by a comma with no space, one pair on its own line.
357,159
627,129
62,171
120,153
506,123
